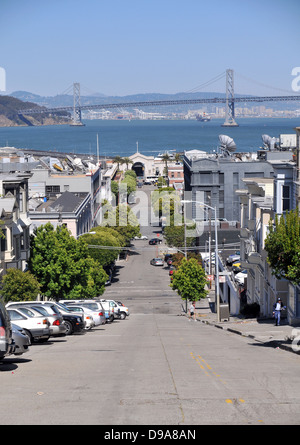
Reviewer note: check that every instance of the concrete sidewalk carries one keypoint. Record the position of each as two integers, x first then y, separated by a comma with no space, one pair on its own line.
262,330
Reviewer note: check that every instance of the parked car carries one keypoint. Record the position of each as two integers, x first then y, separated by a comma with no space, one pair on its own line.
157,262
233,258
121,311
86,314
155,241
141,237
90,313
36,327
111,312
47,309
21,340
168,256
6,340
240,277
73,321
94,305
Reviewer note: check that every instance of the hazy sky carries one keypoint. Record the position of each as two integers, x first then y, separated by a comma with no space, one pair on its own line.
120,47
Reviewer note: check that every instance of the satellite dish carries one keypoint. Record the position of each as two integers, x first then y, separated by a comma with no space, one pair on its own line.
227,144
269,142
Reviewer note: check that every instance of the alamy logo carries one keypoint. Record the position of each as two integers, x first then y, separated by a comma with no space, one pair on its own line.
296,81
2,79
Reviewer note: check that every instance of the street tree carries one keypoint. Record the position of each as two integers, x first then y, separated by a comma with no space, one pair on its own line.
190,280
118,160
283,246
178,236
19,286
122,219
127,161
103,243
63,266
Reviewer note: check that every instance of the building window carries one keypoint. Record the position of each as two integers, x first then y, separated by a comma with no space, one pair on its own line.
285,197
52,189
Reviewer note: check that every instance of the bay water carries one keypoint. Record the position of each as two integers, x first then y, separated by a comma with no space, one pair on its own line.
150,137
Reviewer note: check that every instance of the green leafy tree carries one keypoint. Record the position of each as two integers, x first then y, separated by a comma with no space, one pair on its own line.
175,236
131,173
114,186
130,184
19,286
161,182
63,266
190,280
178,257
104,237
283,246
123,220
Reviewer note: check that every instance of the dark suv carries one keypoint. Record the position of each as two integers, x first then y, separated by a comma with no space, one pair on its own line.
155,241
6,341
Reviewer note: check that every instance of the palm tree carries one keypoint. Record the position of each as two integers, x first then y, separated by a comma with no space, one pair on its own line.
127,161
118,160
166,158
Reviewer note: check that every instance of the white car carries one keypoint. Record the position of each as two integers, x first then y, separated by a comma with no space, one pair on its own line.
95,306
37,328
120,309
141,237
240,277
92,313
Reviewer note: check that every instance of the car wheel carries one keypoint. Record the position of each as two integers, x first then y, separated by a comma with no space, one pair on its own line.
111,318
122,315
69,327
29,335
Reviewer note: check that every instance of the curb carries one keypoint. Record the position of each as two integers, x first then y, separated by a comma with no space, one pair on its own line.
276,343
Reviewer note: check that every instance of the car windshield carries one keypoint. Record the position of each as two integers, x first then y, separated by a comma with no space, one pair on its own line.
75,309
64,307
27,311
92,306
14,315
41,310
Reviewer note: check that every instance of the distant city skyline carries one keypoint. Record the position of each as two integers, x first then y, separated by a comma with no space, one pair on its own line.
168,46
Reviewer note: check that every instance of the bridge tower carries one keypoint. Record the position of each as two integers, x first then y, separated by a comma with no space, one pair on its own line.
229,108
76,106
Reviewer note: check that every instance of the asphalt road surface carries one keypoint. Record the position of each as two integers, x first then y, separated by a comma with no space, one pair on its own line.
154,368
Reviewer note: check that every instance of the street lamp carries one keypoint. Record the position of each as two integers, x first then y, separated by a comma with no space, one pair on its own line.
202,204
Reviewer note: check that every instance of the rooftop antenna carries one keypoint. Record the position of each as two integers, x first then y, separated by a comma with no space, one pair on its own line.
269,142
227,146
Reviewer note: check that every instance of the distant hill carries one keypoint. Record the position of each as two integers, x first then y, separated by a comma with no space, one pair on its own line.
9,117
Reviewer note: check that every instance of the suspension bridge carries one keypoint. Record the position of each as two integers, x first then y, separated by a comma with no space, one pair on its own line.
230,100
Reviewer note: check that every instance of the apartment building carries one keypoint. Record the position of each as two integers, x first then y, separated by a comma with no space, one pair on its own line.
15,171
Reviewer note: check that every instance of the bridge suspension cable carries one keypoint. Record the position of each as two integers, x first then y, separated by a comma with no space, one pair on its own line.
270,87
208,83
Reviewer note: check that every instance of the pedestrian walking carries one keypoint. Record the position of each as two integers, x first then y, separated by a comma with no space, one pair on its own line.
192,313
277,308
